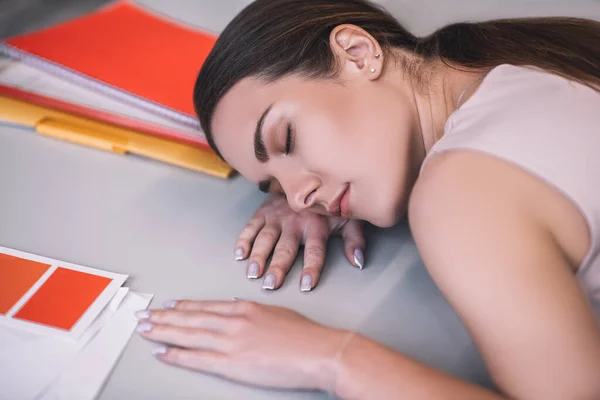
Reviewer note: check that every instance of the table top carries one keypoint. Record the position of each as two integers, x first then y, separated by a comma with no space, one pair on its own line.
173,232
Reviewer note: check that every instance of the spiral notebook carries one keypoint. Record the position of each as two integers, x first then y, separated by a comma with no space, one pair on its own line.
121,64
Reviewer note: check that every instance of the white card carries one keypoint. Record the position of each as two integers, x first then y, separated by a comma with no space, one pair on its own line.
82,316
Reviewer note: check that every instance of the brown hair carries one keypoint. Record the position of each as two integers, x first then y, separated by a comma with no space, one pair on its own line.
273,38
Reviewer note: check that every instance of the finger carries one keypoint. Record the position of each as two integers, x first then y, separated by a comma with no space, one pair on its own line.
354,243
314,257
247,236
336,224
221,307
190,338
261,250
283,258
199,360
185,319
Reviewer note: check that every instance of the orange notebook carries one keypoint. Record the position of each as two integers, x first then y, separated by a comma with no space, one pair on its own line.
124,52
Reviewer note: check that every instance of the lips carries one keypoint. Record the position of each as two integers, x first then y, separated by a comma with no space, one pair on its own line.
339,206
345,204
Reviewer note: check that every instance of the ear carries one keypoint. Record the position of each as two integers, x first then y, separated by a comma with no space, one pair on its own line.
357,52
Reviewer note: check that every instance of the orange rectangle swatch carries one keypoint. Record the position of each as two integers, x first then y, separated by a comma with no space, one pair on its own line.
17,276
63,299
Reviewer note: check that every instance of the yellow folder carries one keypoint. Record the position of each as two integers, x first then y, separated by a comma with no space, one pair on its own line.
64,126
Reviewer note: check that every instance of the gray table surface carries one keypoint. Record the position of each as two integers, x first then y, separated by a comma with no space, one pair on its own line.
173,230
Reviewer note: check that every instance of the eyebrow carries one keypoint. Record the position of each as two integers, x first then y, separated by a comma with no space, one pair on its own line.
260,150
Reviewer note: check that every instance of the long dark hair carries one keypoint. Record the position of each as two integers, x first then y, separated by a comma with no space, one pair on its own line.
273,38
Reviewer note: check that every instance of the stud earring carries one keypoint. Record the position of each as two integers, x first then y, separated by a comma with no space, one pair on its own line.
377,55
372,70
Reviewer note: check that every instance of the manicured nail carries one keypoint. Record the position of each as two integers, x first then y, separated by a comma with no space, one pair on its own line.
159,350
306,283
169,305
144,327
269,282
144,314
359,258
252,271
239,254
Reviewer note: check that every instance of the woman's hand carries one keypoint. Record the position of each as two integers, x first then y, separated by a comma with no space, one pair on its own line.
244,341
276,228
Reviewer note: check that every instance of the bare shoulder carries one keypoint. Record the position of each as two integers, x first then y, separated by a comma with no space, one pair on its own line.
468,182
466,202
459,186
494,257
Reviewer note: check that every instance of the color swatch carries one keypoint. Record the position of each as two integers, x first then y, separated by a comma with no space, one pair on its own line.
17,276
63,298
51,297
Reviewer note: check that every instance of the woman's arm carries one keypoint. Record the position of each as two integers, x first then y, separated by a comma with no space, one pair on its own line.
276,347
371,371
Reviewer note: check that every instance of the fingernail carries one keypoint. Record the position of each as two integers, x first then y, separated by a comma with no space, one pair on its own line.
269,282
159,350
144,327
359,258
306,283
169,305
144,314
239,254
253,271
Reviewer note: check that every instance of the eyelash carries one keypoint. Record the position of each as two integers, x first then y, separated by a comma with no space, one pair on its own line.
288,141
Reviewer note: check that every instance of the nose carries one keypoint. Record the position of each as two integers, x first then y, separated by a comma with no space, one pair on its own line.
301,191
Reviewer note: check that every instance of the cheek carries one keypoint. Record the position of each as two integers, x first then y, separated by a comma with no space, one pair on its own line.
379,164
338,131
351,136
331,153
322,141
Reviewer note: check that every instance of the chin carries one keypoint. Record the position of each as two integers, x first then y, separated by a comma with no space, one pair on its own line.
385,214
385,209
385,220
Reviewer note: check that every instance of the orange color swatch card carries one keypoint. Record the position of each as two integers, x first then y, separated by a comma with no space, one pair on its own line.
51,297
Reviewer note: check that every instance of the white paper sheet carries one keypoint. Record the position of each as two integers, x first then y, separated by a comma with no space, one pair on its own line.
86,375
29,361
34,366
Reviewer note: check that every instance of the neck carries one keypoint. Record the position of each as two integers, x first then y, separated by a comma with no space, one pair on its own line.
438,98
433,98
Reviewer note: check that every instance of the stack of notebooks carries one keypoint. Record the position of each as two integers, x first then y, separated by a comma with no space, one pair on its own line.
119,79
62,326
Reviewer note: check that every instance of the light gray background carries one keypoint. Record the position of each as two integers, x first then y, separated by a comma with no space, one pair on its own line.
173,230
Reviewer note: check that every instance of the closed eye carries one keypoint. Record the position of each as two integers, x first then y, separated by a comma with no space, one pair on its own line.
289,140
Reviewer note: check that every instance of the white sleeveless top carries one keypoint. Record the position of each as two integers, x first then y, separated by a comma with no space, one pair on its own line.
548,126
